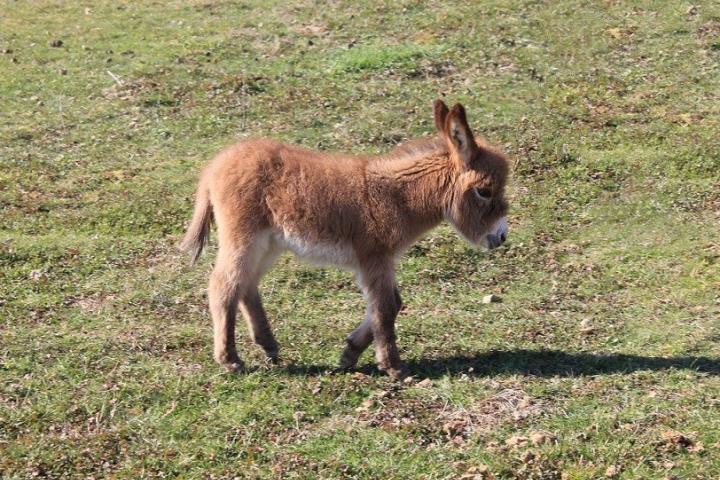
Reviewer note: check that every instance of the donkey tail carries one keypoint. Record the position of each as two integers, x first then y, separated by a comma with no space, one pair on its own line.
197,233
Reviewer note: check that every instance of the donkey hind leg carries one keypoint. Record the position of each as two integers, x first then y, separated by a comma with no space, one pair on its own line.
252,309
231,280
223,295
258,326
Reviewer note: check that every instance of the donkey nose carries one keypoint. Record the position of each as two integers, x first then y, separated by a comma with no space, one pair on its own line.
501,230
498,235
494,240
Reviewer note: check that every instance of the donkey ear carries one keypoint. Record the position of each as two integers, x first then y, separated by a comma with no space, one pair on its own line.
459,133
441,113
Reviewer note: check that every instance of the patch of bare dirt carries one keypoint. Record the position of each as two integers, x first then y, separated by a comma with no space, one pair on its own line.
311,30
433,70
148,91
672,441
131,88
435,421
709,29
91,303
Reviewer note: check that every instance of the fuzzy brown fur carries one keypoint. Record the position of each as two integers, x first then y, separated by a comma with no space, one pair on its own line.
357,212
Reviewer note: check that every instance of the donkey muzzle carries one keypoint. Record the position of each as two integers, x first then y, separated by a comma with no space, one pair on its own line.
498,235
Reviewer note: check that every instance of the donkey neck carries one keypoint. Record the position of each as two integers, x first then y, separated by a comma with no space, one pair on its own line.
417,184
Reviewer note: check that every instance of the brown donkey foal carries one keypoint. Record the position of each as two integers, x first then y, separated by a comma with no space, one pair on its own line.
359,213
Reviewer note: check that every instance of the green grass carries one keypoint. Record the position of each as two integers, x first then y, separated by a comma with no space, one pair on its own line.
377,57
608,337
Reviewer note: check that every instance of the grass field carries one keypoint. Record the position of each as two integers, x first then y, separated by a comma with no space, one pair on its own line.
602,361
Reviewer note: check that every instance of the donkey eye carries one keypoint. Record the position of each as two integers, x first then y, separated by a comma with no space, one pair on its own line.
483,193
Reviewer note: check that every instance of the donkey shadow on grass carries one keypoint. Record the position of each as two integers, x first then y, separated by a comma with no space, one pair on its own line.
538,363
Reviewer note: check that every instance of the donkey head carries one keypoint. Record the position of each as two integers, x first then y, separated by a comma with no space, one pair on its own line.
476,205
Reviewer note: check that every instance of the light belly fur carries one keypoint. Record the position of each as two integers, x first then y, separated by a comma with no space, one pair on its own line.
318,253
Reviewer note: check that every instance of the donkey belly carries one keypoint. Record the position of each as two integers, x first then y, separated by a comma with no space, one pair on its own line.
318,252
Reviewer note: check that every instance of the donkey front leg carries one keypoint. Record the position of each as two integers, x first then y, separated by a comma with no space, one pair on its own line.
357,342
383,306
362,336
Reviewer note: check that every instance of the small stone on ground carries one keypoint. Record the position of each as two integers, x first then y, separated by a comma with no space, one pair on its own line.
492,299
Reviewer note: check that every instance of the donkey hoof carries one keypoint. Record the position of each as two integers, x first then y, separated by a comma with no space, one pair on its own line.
272,358
234,367
348,359
398,373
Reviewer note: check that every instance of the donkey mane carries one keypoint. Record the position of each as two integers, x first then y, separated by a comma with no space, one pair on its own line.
418,147
413,160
